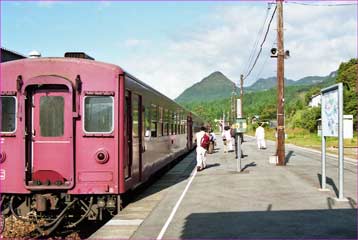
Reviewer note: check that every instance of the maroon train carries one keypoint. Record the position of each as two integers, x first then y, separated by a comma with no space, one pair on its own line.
77,134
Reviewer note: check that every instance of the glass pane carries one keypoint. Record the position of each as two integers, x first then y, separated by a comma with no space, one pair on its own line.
154,113
8,114
147,121
52,116
154,119
160,130
98,114
135,117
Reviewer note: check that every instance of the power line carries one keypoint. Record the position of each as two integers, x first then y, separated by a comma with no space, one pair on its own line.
263,41
324,5
264,64
257,40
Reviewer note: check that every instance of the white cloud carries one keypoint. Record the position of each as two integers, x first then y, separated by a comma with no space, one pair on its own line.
47,3
134,42
319,38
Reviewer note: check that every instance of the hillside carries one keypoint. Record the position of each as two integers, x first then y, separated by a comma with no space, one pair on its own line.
259,99
215,86
266,83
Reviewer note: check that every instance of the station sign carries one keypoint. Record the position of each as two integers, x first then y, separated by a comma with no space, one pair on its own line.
240,125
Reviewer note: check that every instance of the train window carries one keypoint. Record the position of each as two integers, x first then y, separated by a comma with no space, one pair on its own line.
176,130
183,124
8,114
98,114
179,123
154,120
171,123
166,122
135,115
161,121
147,122
52,116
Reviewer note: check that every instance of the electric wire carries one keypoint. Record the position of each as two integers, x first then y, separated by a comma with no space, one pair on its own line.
259,34
323,5
263,41
264,64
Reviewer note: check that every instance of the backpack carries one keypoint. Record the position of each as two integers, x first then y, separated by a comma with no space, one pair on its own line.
204,142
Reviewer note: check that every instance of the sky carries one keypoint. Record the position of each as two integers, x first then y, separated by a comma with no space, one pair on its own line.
171,45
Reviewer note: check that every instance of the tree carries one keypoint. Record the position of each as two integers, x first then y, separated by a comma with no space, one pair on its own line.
307,118
348,75
310,93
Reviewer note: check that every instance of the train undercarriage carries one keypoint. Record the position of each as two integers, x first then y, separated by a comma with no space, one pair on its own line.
48,212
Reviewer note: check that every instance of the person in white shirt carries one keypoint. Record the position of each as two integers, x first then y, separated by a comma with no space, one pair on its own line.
227,139
200,151
260,137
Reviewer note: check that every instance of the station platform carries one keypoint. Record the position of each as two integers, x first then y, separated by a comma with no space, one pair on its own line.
262,201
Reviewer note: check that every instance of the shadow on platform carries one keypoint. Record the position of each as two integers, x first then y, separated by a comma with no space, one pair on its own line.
337,223
212,165
330,182
288,156
252,164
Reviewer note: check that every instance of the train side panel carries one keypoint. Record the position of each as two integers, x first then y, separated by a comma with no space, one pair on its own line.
156,130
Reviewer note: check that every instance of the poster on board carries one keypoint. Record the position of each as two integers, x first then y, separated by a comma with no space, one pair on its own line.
330,113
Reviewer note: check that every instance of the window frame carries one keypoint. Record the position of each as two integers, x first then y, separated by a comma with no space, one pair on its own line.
84,116
16,113
154,133
64,117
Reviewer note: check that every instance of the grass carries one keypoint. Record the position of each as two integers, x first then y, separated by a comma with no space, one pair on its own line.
303,138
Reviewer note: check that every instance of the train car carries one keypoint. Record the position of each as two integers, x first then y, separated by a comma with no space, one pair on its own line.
76,134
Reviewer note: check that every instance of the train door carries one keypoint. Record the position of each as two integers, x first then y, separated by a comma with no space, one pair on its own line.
134,135
50,144
128,124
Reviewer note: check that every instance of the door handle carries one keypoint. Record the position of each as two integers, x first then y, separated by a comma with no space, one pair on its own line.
34,132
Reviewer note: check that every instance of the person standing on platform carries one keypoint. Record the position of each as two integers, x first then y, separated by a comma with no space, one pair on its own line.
227,139
201,140
260,137
212,141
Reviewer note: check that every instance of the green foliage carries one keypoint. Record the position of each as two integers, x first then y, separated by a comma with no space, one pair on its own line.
208,99
306,118
313,91
348,75
215,86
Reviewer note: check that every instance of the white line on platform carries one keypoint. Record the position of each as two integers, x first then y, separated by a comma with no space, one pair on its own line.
170,218
120,222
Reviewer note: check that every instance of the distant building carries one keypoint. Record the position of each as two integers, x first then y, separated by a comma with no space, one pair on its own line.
347,127
315,100
7,55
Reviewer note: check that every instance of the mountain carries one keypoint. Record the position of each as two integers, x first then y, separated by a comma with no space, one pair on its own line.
217,86
266,83
214,86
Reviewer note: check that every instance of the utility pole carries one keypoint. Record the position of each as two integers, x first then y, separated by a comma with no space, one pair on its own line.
233,104
241,94
280,87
